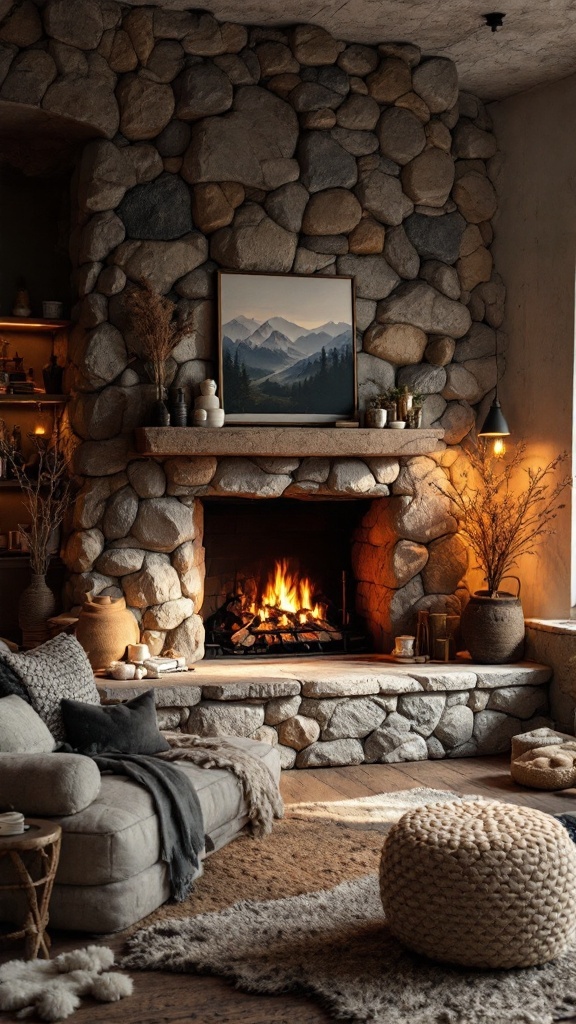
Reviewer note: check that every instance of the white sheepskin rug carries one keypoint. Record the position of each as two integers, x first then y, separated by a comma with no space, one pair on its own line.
53,989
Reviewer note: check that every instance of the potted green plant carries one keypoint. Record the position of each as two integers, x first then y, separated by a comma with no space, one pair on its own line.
504,508
375,414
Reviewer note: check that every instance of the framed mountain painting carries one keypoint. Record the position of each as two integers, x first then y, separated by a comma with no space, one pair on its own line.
286,348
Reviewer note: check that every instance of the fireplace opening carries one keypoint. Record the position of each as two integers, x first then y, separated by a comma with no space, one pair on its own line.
279,579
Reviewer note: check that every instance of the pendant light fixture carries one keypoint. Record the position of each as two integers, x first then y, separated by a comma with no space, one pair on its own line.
495,425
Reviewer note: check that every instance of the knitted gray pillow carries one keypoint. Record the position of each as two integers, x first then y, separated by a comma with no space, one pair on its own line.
59,668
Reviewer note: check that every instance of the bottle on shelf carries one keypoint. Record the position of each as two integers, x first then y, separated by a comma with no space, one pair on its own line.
52,375
22,300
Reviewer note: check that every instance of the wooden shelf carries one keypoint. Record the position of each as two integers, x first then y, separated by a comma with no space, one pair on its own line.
32,323
37,398
329,442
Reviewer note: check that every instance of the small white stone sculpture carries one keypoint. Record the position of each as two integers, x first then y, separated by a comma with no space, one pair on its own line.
122,670
208,404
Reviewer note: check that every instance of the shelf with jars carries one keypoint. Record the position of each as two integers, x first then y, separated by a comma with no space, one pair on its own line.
33,353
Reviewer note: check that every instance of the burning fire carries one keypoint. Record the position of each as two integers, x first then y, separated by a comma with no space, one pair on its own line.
286,591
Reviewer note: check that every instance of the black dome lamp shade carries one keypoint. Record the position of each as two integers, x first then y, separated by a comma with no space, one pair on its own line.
495,424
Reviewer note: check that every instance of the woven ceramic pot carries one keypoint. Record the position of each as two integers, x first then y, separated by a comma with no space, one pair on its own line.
493,627
105,628
37,604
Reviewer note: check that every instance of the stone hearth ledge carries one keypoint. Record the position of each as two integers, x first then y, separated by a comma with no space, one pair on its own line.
349,710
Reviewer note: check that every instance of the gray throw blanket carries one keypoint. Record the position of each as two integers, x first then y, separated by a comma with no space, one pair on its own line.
259,787
178,809
176,802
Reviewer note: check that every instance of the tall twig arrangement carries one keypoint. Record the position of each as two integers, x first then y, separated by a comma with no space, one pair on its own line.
159,328
47,494
505,508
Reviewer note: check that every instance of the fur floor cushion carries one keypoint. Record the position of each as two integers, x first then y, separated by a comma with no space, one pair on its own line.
552,767
53,989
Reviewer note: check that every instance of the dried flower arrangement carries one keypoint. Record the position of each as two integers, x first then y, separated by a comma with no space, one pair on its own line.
501,517
46,486
159,327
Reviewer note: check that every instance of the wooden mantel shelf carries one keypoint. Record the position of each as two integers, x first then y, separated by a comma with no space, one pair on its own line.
327,442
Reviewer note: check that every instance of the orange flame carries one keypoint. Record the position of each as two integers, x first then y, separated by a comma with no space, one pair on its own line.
288,591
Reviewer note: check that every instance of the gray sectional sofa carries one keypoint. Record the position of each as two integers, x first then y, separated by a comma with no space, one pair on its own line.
111,873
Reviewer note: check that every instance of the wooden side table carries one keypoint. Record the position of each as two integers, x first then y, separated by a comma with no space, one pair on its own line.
34,857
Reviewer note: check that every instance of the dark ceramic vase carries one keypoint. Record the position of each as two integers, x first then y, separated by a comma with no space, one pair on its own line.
160,413
493,627
178,408
37,604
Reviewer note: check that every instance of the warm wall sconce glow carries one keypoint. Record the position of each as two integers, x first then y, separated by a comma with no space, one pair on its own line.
39,431
499,448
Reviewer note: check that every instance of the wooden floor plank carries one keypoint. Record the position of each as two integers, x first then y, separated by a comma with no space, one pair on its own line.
163,998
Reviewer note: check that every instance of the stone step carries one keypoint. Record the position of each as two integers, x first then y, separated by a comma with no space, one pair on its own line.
351,710
340,676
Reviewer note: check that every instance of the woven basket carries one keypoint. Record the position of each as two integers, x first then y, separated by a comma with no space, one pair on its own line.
538,738
480,884
549,768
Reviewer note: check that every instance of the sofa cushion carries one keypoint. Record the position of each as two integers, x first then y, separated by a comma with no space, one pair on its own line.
117,835
127,728
21,729
98,908
59,668
47,785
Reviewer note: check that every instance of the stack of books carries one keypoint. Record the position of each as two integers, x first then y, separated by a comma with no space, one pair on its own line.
163,664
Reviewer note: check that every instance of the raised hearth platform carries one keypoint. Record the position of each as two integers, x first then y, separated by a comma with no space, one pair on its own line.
350,710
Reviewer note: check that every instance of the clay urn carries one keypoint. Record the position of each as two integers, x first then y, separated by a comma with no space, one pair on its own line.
105,628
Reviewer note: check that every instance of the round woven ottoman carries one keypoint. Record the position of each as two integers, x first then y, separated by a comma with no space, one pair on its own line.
481,884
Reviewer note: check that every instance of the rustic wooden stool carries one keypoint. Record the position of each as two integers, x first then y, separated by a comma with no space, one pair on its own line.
33,852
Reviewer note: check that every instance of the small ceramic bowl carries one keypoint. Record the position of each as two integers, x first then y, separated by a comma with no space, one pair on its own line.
397,424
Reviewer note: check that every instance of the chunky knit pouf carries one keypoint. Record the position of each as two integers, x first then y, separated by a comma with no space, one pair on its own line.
481,884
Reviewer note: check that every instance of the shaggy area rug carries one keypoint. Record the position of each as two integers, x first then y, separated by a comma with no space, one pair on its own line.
334,945
315,846
378,811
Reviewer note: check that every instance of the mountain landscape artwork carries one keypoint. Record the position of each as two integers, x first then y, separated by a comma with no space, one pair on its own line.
287,351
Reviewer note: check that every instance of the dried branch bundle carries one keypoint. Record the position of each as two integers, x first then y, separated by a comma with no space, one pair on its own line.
501,512
159,327
46,496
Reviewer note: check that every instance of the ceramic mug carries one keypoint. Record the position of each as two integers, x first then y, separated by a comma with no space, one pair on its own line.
52,310
138,653
404,646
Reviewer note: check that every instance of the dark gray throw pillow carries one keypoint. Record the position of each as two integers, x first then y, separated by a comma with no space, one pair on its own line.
128,728
10,682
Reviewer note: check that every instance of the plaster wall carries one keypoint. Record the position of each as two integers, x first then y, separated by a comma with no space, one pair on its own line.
534,248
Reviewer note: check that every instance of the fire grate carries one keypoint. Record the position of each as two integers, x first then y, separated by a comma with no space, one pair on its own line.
287,643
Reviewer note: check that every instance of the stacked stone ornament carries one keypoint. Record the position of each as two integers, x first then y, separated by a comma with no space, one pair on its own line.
207,411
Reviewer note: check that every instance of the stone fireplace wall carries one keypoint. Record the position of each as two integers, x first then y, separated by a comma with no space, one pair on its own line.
260,149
